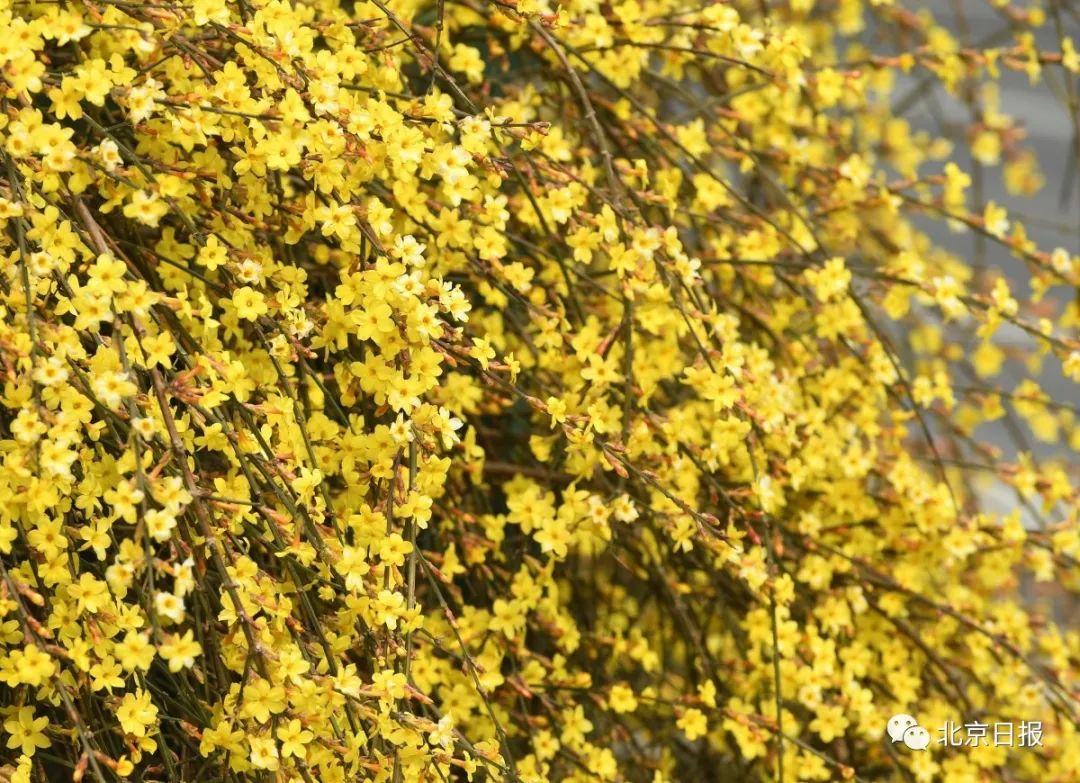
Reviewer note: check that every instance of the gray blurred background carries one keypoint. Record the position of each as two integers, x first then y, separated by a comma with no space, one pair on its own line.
1051,217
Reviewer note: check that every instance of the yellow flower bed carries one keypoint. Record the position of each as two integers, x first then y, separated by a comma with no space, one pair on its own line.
441,390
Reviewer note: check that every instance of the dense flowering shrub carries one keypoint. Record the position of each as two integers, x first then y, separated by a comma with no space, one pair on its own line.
430,390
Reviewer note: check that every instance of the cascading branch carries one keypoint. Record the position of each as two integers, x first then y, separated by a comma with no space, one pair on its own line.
463,390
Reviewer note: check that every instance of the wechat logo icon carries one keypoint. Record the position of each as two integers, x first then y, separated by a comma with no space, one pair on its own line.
904,728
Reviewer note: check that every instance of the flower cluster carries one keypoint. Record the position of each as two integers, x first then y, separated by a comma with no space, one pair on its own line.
409,390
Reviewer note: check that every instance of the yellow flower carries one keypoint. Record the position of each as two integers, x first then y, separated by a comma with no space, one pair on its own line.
693,724
373,321
1069,58
261,700
213,254
26,732
467,60
264,753
829,722
112,387
831,281
622,699
89,593
506,617
995,219
135,652
180,651
389,685
1071,366
249,303
169,606
136,713
147,208
294,739
556,408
